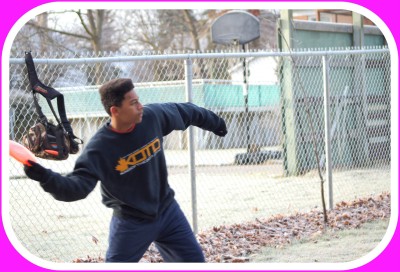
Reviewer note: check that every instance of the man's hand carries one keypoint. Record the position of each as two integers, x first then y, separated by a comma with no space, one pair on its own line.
221,130
36,171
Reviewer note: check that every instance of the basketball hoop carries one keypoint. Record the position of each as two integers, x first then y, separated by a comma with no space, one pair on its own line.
235,27
238,28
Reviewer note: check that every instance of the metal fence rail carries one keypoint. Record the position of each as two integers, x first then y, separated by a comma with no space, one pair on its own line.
264,166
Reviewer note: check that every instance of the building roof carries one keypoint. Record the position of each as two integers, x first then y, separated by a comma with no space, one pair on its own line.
81,102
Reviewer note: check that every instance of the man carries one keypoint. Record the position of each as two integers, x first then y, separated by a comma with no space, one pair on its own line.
127,157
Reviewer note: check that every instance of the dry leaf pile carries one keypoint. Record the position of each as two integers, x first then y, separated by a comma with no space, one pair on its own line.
235,243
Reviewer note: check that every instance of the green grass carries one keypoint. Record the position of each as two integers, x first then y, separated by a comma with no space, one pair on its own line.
340,246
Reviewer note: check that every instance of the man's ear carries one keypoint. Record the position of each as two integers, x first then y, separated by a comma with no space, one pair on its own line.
114,110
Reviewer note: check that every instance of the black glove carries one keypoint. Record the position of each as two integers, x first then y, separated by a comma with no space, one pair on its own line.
221,130
36,171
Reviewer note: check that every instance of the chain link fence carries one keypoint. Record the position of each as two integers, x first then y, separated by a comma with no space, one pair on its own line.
268,162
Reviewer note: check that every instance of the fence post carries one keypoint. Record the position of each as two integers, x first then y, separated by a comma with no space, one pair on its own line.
325,64
12,123
190,135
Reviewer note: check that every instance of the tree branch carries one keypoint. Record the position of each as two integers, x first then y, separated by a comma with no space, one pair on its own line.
58,31
84,25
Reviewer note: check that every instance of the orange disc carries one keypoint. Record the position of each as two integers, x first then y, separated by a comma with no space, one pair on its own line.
21,153
52,152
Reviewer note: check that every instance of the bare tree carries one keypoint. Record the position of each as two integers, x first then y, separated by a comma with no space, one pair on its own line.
90,26
86,29
93,23
170,30
164,30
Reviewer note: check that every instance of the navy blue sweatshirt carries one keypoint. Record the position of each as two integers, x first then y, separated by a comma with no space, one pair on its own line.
130,166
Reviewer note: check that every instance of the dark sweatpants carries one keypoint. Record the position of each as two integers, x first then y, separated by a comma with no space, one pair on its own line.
129,238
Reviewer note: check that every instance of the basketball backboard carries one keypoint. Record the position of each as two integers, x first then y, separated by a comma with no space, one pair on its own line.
235,27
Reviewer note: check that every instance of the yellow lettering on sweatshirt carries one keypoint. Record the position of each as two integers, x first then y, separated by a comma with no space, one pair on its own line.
138,157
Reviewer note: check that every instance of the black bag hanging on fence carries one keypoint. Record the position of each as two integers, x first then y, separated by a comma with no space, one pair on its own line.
44,139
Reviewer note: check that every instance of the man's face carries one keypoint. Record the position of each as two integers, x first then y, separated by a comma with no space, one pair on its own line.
131,110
